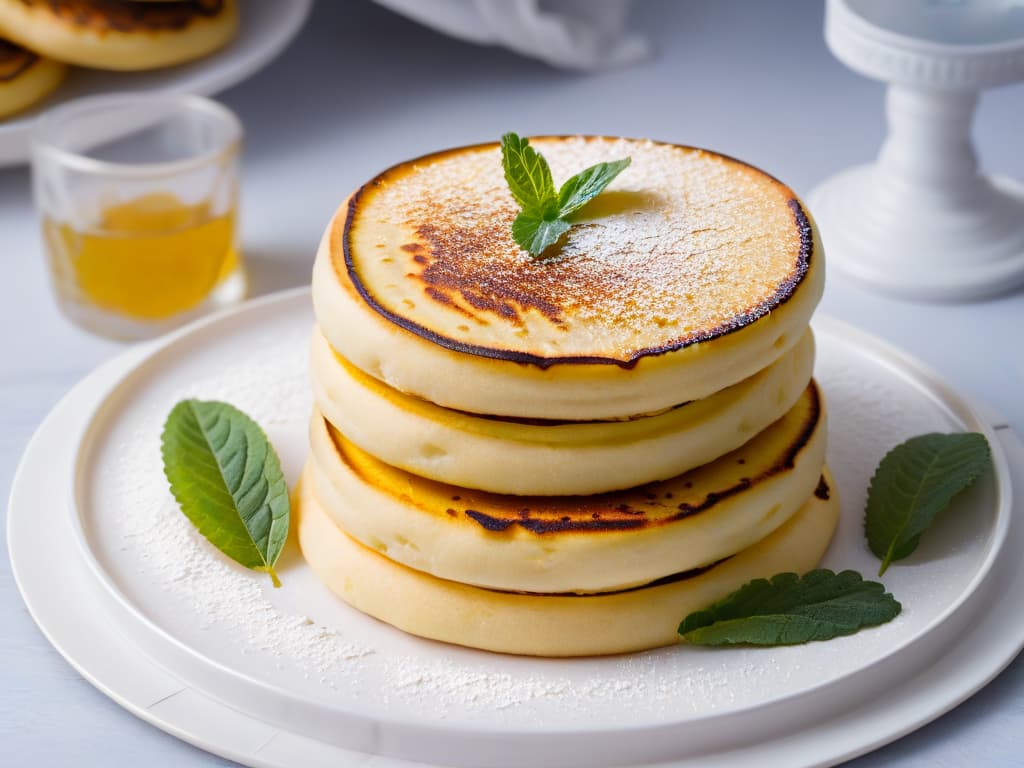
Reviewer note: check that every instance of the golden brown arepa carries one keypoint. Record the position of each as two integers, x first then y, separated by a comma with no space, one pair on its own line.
25,77
592,543
691,273
537,456
550,625
120,34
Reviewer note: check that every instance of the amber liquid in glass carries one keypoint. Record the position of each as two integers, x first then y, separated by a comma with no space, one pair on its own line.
148,258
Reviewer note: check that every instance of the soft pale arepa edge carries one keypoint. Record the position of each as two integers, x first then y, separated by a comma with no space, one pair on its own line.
548,625
550,458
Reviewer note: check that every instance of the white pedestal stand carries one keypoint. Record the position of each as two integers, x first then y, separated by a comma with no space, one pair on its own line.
922,222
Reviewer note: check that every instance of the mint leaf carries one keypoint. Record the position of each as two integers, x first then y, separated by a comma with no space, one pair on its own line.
913,483
228,481
535,234
588,184
789,609
528,176
543,210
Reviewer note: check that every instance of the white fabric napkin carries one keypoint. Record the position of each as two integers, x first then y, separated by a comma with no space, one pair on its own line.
571,34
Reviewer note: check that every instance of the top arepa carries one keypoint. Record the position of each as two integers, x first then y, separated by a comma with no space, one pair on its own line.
690,272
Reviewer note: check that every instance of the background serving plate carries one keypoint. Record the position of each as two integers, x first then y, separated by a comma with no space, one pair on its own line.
314,678
266,27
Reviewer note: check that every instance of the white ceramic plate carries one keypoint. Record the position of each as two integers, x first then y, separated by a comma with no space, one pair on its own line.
266,28
315,678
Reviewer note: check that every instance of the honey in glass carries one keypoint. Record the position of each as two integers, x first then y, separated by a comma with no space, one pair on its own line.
138,198
148,258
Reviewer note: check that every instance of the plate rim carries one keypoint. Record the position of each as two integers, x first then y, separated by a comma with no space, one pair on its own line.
134,356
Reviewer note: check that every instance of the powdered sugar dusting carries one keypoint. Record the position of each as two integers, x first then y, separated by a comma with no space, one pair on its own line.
684,242
272,388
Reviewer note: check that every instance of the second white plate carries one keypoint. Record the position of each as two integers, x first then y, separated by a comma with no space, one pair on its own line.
266,28
300,659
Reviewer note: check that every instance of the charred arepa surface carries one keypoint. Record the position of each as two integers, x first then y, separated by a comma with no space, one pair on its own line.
540,456
550,625
25,77
690,273
574,543
120,34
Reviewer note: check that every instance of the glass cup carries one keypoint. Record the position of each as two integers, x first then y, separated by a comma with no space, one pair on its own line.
138,195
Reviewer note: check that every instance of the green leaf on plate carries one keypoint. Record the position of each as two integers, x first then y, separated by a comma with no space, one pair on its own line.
913,483
228,481
790,609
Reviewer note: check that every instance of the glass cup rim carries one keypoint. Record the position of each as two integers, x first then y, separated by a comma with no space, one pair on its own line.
43,143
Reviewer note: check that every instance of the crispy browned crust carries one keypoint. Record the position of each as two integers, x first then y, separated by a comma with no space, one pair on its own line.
102,16
14,60
636,508
822,493
445,270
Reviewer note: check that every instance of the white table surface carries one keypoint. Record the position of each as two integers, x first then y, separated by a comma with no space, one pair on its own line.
361,89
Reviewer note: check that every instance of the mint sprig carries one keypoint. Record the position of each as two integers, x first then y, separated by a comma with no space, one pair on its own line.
913,483
789,609
228,481
544,213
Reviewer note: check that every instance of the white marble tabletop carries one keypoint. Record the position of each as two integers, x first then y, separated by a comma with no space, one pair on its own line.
361,88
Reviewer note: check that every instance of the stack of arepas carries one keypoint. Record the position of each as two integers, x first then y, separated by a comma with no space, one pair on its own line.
564,455
38,38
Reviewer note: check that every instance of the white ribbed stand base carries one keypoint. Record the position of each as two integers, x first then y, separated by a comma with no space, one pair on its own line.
919,253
